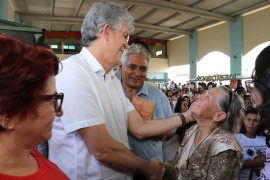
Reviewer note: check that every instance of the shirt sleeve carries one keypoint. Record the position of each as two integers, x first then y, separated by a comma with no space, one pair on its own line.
224,166
130,105
81,104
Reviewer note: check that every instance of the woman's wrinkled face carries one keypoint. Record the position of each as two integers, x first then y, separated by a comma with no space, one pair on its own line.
206,104
38,128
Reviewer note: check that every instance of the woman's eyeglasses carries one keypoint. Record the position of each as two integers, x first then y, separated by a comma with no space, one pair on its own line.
230,100
56,99
268,138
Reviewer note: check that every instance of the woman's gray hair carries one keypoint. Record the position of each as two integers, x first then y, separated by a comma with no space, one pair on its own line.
135,49
233,106
102,13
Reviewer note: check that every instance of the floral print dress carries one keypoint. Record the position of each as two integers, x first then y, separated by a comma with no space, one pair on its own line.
217,157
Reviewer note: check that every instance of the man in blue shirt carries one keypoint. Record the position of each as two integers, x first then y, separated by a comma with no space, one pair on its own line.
135,61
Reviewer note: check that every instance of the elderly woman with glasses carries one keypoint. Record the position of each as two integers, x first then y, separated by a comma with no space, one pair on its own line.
28,105
209,149
261,95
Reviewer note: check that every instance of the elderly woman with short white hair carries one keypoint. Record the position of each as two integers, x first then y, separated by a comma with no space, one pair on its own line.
209,149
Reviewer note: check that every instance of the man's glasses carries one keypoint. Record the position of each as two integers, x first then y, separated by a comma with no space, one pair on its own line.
133,67
125,35
56,99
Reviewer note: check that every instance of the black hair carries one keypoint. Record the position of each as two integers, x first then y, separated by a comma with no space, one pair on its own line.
251,111
260,76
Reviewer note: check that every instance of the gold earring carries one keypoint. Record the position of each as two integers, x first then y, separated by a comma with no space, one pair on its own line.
6,123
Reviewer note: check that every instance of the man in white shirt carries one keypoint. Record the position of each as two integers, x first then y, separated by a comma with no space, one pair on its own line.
90,140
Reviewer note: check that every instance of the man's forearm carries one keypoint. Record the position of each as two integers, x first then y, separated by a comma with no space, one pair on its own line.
120,158
152,128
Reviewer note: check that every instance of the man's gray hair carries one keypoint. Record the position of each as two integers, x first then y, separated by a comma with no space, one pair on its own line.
135,49
102,13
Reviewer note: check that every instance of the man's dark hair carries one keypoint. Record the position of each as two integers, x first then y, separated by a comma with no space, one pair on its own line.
251,111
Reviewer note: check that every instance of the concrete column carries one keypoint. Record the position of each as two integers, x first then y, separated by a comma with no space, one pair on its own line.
166,78
3,9
193,54
236,45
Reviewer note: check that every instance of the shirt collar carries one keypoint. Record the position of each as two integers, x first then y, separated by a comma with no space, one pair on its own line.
94,64
143,89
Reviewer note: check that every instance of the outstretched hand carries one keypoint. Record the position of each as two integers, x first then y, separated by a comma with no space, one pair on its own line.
189,116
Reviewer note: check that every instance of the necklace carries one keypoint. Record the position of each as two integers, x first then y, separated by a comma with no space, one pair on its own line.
193,149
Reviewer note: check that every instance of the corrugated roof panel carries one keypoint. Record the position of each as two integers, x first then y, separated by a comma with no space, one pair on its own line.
191,25
185,2
238,6
157,16
210,4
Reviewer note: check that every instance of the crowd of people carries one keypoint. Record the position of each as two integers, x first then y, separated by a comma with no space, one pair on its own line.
189,92
117,126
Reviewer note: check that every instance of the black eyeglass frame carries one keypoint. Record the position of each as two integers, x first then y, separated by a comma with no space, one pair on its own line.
230,100
268,138
55,97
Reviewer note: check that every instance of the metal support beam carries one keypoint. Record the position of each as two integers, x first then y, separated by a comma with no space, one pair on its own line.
173,7
53,5
76,20
158,29
147,15
167,19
